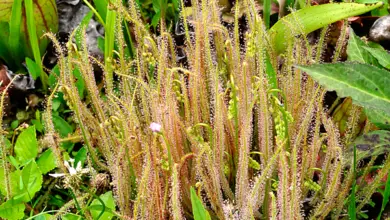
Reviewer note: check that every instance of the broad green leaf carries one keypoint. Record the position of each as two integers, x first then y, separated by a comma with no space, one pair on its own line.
47,161
81,156
33,68
367,85
12,209
381,55
356,51
371,144
96,206
380,119
312,18
200,213
62,126
26,146
31,182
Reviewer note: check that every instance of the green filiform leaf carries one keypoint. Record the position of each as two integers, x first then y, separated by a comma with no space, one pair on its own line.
200,213
381,55
96,206
312,18
356,51
367,85
371,144
47,161
26,147
12,209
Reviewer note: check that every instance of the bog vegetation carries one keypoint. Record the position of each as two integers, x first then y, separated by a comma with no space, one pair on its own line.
197,111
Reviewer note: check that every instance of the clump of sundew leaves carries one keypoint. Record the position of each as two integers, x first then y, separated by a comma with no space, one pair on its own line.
238,124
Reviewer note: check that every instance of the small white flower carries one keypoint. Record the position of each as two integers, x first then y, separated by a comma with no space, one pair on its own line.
155,127
72,171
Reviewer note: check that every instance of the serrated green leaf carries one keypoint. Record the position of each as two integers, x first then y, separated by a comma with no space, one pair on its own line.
380,119
381,55
371,144
12,209
47,161
356,51
26,146
367,85
97,206
312,18
198,210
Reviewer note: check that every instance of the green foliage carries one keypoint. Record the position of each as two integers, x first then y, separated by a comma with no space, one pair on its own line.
26,147
18,19
103,212
47,161
371,144
12,210
366,84
198,210
312,18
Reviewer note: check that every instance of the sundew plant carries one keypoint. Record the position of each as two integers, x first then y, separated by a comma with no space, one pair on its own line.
233,131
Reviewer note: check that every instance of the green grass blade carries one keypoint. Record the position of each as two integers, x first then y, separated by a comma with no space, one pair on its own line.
367,85
32,32
267,13
312,18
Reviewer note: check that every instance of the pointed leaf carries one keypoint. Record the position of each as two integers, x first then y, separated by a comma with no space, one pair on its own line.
47,161
26,147
32,182
380,119
200,213
312,18
367,85
381,55
356,51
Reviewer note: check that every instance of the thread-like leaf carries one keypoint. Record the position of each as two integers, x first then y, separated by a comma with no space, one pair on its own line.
366,84
312,18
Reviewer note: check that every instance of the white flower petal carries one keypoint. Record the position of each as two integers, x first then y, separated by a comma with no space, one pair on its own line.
56,175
